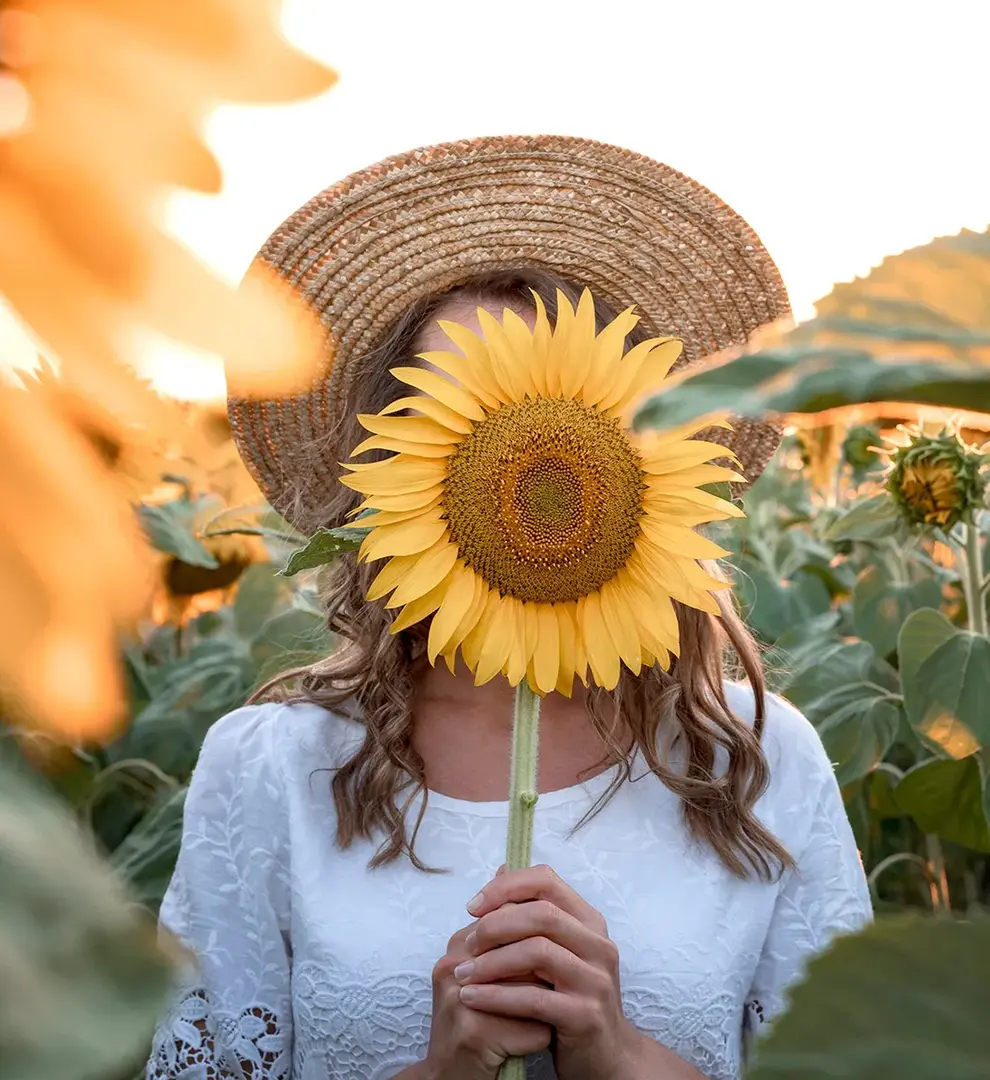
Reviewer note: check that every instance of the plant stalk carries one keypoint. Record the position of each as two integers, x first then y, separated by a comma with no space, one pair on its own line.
522,808
972,571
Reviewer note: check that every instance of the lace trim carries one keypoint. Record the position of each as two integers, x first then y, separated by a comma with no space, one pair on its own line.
197,1042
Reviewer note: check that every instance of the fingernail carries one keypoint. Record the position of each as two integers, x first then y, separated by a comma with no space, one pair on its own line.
470,940
463,971
469,994
474,904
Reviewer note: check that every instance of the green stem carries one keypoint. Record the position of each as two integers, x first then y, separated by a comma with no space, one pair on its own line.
972,575
522,806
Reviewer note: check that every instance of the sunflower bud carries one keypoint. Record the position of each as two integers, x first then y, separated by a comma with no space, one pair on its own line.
937,480
859,450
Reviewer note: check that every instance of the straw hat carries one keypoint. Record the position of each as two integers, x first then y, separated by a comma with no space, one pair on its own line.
361,252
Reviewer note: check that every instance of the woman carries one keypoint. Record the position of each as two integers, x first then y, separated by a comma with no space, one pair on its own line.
693,845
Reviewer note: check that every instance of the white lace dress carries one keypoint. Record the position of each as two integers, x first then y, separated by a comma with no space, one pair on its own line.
312,967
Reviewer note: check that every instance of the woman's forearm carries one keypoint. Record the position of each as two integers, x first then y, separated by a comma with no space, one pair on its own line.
649,1060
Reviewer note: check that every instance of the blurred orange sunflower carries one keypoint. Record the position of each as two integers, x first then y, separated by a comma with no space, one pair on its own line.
100,107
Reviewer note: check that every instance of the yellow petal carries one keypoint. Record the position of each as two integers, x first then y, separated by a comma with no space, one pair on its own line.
476,353
413,429
607,355
433,569
419,609
504,362
475,639
559,342
401,446
685,455
433,410
546,655
602,654
686,503
655,438
654,369
456,604
565,636
479,383
677,539
479,599
412,502
406,538
496,645
582,335
654,613
621,625
519,340
390,517
696,477
390,575
540,345
515,666
683,579
443,390
631,366
580,645
412,468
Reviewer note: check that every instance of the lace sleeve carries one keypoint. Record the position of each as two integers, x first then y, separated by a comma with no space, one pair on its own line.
825,895
228,902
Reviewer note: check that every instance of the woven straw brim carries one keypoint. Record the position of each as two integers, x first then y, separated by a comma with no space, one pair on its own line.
632,230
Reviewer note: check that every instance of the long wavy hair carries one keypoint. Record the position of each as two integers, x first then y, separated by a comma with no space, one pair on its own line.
373,674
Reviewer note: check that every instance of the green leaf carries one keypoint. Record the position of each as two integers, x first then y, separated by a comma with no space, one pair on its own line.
949,798
259,592
874,519
799,645
773,605
196,690
324,547
291,639
945,673
167,532
146,857
83,980
837,666
858,725
905,999
880,606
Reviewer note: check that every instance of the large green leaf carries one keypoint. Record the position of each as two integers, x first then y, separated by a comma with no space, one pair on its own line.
292,638
195,691
875,518
146,857
168,531
81,980
949,798
324,547
914,330
880,606
945,673
836,666
773,604
260,591
858,724
903,1000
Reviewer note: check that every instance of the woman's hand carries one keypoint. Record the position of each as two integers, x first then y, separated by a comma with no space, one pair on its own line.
465,1043
531,923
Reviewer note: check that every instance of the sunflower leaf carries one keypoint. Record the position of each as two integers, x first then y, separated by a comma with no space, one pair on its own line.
167,533
324,547
900,999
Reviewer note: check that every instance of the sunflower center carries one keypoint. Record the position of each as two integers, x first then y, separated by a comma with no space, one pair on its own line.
544,498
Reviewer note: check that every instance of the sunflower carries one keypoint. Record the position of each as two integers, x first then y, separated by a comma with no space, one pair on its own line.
544,538
936,480
101,106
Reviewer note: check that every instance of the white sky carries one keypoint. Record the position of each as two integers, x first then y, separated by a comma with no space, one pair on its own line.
843,130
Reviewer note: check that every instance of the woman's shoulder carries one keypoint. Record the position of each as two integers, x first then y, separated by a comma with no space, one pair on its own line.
273,741
791,745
